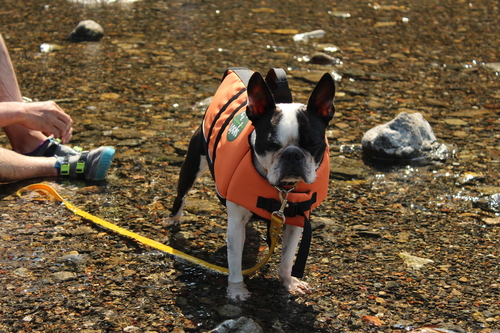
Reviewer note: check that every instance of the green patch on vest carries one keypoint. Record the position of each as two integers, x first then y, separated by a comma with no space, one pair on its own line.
237,125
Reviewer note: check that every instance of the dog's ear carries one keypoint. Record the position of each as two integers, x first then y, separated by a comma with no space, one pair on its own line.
321,100
260,98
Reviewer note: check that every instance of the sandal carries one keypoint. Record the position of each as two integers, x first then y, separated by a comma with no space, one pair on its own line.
88,165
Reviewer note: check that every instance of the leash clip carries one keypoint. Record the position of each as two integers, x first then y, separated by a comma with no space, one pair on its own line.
278,216
283,195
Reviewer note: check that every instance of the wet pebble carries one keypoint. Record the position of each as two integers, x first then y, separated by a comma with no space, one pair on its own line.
489,203
436,102
340,14
414,262
48,47
470,178
352,72
494,66
305,36
491,220
324,59
455,122
327,47
74,257
241,325
64,276
22,272
308,76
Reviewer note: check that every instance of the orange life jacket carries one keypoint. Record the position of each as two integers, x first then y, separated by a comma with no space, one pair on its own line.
227,130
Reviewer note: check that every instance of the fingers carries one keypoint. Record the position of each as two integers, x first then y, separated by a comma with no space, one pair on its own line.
67,136
58,130
62,125
64,122
50,119
66,132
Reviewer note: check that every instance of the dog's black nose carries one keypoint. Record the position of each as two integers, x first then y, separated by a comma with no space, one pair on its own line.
293,154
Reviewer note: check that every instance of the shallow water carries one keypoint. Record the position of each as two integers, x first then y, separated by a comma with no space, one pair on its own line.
139,90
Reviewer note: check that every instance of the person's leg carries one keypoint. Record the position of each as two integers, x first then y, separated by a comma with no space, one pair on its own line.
15,167
22,140
89,165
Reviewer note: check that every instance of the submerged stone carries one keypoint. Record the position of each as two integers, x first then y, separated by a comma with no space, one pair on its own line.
305,36
87,30
64,276
489,203
494,66
241,325
324,59
407,139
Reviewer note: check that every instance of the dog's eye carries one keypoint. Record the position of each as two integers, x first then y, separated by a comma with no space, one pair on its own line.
267,144
315,146
272,145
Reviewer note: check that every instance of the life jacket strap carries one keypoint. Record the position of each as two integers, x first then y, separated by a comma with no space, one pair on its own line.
305,243
278,84
293,208
243,73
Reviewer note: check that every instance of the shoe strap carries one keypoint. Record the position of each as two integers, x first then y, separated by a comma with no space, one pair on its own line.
65,167
80,164
79,168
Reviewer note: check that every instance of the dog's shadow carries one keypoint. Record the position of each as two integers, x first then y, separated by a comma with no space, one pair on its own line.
202,295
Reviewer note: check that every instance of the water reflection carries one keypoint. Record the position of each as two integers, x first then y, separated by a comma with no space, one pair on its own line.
92,51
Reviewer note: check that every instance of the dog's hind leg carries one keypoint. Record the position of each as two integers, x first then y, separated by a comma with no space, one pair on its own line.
193,167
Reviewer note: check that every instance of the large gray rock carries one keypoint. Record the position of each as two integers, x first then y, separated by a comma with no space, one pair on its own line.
87,30
407,139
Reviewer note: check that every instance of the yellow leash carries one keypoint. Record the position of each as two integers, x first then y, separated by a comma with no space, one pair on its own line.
277,221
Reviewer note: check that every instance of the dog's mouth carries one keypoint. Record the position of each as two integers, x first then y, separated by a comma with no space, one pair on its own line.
290,175
291,178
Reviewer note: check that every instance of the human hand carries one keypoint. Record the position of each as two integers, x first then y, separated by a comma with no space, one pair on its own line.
48,118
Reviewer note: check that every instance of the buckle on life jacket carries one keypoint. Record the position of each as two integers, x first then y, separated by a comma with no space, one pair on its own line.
292,209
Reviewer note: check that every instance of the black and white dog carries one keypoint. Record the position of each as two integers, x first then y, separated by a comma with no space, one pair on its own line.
287,145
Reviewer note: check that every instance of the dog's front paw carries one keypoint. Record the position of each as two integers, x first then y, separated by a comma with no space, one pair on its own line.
172,220
296,286
175,217
237,291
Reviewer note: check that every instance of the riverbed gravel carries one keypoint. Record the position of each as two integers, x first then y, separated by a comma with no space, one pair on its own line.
394,249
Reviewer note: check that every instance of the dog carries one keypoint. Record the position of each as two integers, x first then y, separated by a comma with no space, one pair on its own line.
283,143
